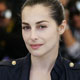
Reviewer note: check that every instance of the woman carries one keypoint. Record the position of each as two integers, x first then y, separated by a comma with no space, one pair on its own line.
42,24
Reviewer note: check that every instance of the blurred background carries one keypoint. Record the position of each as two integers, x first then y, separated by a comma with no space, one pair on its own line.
11,43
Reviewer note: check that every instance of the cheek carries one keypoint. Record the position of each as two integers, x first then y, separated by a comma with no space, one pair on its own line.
52,41
51,34
52,38
25,36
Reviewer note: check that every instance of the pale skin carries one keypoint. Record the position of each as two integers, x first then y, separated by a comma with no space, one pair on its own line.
38,28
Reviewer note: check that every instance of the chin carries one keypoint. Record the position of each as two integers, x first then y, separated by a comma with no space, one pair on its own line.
37,54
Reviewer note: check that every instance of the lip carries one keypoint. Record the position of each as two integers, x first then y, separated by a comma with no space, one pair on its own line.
36,46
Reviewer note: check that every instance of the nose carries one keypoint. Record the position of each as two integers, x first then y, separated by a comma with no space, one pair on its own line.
34,35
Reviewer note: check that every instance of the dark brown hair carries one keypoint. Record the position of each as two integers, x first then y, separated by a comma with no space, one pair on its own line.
57,10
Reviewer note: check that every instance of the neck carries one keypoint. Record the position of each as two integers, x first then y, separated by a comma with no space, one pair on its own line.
45,62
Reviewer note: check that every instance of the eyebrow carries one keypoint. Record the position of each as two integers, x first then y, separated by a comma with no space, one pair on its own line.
36,22
41,21
25,23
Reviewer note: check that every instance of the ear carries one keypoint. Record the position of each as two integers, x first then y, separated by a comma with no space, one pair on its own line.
62,27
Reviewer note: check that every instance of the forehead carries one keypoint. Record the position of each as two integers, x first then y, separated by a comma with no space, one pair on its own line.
35,12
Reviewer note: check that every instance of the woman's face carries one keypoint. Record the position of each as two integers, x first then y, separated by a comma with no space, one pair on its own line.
39,30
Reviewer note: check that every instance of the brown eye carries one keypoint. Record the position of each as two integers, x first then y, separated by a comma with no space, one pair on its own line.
26,28
42,27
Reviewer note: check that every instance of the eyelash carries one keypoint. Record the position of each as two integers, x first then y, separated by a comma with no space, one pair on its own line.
26,27
41,27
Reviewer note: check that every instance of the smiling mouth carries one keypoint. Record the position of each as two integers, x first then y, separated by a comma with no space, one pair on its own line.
36,46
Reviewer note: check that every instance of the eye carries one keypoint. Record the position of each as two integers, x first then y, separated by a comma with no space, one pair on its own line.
26,28
42,27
